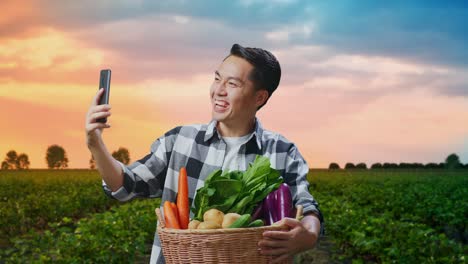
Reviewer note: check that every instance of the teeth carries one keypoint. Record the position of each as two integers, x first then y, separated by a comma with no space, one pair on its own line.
220,103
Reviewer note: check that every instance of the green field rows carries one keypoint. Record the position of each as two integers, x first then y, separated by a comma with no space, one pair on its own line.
395,216
379,216
34,198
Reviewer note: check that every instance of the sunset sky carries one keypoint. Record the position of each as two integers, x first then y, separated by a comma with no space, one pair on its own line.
363,81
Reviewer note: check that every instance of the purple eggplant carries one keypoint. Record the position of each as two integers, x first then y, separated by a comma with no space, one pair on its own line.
269,208
284,207
258,212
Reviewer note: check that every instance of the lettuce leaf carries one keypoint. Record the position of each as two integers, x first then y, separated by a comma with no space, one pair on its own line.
237,191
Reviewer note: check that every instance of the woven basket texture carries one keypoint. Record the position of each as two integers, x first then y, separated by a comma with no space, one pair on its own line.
237,245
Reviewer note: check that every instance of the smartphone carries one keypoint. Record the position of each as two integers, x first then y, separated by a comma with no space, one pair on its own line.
104,82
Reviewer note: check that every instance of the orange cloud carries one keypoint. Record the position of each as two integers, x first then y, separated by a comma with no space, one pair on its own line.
48,49
30,127
17,17
48,56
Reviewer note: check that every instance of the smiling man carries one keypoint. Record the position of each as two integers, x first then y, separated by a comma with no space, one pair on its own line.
242,84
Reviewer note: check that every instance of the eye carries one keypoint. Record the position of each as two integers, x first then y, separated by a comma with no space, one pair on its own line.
233,84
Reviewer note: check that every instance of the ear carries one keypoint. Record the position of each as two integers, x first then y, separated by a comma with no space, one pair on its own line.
261,96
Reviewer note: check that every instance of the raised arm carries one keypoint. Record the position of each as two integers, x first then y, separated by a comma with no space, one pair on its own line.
108,167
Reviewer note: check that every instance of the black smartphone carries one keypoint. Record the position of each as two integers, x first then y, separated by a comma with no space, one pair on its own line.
104,82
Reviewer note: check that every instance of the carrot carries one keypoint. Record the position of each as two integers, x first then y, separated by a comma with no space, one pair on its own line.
167,208
182,199
176,211
170,216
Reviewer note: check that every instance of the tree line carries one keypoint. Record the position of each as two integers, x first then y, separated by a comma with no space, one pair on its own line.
55,158
451,162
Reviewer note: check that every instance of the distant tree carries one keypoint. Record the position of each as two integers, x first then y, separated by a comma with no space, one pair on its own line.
404,165
413,165
92,162
376,166
23,162
122,155
13,161
349,165
452,162
361,165
334,166
56,157
387,165
431,165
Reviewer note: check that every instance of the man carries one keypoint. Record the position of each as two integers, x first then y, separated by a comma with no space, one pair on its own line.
242,84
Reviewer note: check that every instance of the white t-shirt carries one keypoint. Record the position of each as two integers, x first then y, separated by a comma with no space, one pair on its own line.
232,159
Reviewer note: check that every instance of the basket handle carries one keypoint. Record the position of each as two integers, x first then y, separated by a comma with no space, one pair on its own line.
161,222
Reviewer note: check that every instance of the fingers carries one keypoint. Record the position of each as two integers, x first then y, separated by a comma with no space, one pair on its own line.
95,116
291,222
93,126
98,108
266,242
95,113
275,243
279,235
97,97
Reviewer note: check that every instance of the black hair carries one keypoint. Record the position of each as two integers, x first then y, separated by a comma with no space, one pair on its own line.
266,73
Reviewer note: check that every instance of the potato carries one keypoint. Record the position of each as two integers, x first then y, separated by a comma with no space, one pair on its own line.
208,225
214,215
229,219
193,224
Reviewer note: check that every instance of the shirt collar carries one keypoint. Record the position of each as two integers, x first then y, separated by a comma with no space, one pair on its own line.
258,131
210,130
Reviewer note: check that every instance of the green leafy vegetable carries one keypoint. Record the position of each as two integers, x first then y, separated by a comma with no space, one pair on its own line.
237,191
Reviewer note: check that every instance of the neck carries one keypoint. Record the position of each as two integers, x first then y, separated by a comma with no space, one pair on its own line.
236,130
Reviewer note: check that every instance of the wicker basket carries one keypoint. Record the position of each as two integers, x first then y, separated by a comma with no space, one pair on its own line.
236,245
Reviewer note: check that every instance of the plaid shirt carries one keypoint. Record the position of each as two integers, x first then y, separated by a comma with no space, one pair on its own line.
201,150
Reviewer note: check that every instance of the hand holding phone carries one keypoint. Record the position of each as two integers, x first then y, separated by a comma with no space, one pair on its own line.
104,82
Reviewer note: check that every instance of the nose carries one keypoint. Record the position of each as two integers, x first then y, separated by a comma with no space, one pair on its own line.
220,88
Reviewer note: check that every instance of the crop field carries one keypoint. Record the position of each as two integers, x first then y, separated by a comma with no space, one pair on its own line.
395,216
371,216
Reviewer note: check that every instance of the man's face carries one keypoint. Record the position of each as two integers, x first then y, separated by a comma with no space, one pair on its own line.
234,99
